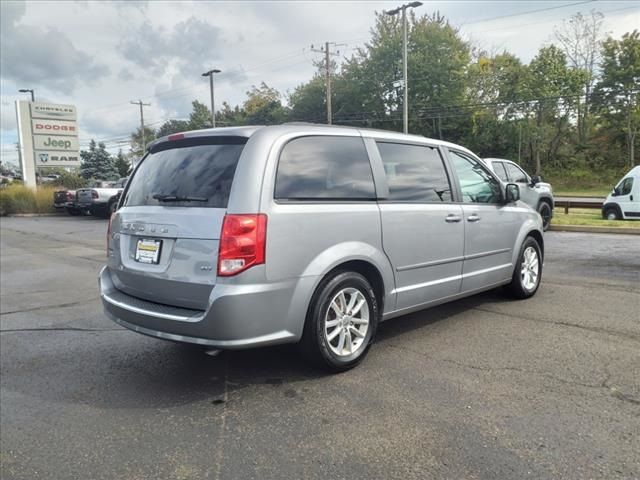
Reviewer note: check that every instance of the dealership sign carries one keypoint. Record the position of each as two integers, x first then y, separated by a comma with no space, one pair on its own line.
48,135
54,127
56,159
53,142
53,111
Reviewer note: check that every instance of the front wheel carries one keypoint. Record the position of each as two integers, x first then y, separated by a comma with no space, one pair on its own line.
544,209
528,272
341,322
611,214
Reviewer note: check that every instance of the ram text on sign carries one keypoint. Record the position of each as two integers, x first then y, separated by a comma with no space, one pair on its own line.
54,127
53,111
57,159
54,142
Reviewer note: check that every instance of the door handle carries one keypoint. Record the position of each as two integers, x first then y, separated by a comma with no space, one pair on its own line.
631,197
473,218
451,218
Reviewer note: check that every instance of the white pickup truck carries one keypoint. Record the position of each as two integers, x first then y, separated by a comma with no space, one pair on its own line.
101,202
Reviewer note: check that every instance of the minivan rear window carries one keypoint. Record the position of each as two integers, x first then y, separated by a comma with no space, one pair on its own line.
191,172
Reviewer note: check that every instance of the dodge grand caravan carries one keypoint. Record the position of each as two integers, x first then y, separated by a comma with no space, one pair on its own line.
242,237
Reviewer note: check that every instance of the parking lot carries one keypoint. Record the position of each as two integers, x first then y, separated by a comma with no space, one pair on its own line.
482,388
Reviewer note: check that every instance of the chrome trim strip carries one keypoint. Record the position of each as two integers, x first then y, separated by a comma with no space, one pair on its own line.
452,260
486,254
429,264
450,279
426,284
151,313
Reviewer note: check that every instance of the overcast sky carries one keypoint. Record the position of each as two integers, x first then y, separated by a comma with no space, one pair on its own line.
100,55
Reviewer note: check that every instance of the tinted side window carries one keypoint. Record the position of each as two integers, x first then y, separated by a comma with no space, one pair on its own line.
498,168
324,167
515,173
625,187
414,173
477,185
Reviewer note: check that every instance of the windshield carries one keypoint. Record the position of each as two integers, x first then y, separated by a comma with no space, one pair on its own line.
186,173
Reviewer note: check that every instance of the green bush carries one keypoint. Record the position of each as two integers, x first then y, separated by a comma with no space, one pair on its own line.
7,206
21,199
72,181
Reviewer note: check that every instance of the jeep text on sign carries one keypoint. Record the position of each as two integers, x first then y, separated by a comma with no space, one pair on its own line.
54,127
52,158
54,142
53,111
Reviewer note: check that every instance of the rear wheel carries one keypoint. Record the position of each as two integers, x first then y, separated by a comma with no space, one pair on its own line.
528,272
113,206
544,209
73,211
341,322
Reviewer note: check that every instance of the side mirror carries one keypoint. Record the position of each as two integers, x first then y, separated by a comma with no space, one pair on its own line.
512,193
535,180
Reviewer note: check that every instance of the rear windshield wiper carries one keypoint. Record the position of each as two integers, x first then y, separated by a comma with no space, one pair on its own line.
177,198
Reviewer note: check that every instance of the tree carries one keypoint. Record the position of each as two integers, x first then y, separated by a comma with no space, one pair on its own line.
200,117
136,141
97,163
122,164
580,38
308,101
618,92
263,106
227,116
553,89
173,126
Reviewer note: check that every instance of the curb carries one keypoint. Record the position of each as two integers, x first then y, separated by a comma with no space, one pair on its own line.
588,229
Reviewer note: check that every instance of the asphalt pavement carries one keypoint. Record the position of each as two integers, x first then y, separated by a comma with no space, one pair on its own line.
483,388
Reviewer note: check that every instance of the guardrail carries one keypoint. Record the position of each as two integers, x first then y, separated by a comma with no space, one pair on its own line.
568,203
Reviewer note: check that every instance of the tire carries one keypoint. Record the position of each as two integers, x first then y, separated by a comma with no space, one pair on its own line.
321,343
523,284
113,206
73,211
611,214
544,209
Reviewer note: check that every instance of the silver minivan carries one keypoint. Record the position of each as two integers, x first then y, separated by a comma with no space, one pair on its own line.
249,236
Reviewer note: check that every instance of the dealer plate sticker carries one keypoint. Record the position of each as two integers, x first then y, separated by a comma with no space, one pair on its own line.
148,251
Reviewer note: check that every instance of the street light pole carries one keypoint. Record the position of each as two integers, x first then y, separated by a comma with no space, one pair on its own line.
28,90
213,105
405,102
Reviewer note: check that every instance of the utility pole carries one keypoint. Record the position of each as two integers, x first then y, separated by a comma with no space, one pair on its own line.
144,141
327,62
405,103
213,105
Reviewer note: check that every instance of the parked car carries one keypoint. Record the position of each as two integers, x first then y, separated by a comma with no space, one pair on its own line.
249,236
623,203
64,199
100,202
533,191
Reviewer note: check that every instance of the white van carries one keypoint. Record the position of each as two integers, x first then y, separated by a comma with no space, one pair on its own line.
623,203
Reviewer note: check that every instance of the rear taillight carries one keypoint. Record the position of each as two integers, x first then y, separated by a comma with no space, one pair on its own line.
94,194
242,243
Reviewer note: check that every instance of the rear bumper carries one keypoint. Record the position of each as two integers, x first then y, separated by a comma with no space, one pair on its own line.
238,316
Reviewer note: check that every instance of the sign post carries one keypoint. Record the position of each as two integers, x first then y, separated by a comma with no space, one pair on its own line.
48,136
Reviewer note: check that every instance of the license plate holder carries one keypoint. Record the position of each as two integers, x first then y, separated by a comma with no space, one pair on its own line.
148,251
